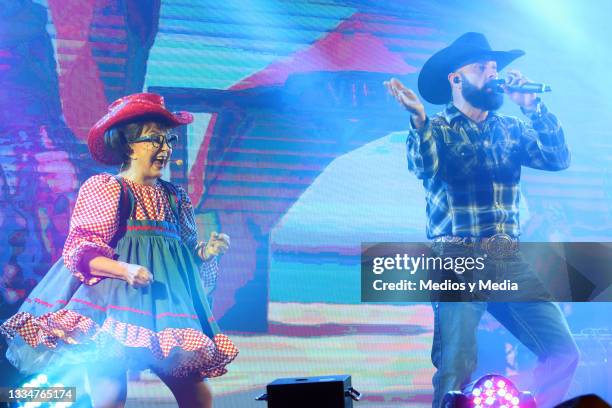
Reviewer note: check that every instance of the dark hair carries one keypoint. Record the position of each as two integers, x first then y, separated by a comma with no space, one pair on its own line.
119,137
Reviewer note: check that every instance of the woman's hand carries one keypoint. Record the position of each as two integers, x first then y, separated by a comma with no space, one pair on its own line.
216,245
136,276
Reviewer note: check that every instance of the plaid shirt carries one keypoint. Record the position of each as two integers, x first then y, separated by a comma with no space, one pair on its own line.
471,171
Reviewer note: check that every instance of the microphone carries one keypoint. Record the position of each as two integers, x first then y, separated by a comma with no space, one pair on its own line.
529,87
178,162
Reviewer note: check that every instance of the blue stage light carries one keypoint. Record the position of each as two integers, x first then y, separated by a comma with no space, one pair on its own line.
42,380
489,391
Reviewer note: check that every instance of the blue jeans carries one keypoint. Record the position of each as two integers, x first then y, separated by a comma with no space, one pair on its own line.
538,324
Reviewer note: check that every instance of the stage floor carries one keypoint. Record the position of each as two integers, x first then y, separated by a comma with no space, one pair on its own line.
385,348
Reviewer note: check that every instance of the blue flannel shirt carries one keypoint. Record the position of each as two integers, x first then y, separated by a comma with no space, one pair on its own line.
471,171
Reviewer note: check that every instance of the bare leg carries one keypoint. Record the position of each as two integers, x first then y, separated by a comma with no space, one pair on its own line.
190,392
108,387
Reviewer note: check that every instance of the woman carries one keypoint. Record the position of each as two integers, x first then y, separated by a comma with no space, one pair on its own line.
129,292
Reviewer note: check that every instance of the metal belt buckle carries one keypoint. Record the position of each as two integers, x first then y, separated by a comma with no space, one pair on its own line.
500,246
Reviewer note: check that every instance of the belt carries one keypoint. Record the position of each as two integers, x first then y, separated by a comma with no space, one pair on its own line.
497,246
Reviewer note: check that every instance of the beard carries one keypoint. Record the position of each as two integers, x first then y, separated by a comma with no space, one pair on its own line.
485,98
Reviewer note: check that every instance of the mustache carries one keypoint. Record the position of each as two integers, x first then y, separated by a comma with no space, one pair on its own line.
495,85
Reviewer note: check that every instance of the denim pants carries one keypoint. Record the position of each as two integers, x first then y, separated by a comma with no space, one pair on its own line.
538,323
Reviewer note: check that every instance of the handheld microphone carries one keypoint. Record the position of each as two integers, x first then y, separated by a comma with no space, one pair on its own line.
529,87
178,162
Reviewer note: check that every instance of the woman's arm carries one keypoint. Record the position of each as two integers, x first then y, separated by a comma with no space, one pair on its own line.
216,245
94,222
209,269
135,275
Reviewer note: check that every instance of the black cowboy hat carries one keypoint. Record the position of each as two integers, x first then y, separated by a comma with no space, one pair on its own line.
467,49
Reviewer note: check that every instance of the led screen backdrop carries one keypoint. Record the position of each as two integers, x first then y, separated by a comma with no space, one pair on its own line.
297,153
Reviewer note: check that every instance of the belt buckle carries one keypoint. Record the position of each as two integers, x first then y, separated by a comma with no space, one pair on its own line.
500,245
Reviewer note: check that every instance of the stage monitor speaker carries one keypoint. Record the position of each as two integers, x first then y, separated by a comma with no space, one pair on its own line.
584,401
334,391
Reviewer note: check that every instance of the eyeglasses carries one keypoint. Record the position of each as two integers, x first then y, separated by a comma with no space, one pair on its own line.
158,139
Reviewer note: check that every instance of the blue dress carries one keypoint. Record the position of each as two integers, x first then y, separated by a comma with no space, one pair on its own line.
167,326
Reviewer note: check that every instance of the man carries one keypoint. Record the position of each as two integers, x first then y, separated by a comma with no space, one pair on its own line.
469,158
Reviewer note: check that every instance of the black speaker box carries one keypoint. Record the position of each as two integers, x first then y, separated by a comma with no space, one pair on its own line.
584,401
332,391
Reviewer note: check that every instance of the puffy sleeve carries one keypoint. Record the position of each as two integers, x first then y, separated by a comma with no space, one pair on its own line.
93,224
209,269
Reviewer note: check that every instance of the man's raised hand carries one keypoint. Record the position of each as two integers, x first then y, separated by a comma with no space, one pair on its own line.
408,99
